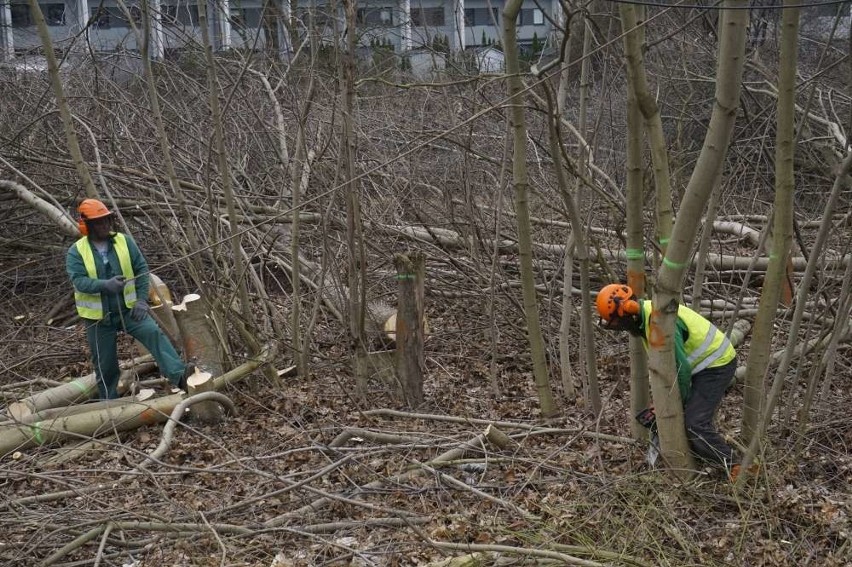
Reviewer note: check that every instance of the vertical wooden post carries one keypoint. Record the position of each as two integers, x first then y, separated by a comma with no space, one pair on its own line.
410,326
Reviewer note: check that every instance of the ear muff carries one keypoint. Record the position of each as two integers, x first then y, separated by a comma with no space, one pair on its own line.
81,226
629,307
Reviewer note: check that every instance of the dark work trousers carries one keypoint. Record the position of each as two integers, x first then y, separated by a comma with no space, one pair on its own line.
102,336
708,389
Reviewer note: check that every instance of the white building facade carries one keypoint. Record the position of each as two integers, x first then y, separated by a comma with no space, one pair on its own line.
400,25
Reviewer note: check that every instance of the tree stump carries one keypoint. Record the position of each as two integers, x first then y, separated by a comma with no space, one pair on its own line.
201,343
410,329
202,346
207,412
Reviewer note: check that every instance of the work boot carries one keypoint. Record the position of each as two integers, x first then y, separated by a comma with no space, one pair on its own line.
736,470
190,370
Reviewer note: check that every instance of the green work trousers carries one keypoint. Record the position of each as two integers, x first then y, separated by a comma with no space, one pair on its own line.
102,336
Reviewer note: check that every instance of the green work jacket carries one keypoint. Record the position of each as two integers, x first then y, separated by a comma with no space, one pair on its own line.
87,272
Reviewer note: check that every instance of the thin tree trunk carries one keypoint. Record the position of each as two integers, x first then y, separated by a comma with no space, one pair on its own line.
62,102
761,340
635,188
636,74
704,245
298,181
354,232
187,223
582,253
410,331
521,181
661,361
798,314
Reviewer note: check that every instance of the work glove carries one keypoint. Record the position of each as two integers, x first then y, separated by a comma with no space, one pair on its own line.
114,285
140,309
647,418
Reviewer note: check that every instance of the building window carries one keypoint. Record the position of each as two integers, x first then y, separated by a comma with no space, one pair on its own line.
480,17
21,16
375,16
113,17
179,15
54,14
100,18
532,17
427,16
318,17
238,19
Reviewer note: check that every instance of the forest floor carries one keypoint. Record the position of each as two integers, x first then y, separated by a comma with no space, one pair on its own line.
264,488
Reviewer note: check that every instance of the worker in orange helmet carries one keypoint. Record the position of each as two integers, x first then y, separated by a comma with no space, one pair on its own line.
110,279
705,361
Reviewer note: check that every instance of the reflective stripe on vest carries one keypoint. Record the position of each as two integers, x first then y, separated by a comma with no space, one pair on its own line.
705,346
89,305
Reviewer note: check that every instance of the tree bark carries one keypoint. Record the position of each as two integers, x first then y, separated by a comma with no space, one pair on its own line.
640,390
782,233
667,401
410,331
521,182
631,19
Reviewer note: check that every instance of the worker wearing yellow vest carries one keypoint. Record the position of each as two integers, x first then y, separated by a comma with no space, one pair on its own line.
705,360
110,279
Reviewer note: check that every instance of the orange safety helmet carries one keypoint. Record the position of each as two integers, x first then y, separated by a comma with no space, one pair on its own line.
90,209
616,300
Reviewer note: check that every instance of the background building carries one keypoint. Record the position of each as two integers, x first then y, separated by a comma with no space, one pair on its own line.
107,25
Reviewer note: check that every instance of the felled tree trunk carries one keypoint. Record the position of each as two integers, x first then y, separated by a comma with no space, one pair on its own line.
65,411
75,391
91,423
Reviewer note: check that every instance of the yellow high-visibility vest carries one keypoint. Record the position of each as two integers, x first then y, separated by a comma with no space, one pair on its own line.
706,346
89,305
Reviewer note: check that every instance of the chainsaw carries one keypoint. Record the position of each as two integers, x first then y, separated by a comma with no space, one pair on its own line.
648,419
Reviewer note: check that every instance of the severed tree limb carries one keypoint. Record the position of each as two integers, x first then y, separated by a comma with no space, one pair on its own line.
503,424
168,434
491,435
58,216
499,501
344,436
523,551
88,424
65,411
76,390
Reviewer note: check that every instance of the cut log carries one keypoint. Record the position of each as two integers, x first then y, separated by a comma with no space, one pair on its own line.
77,390
89,424
65,411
